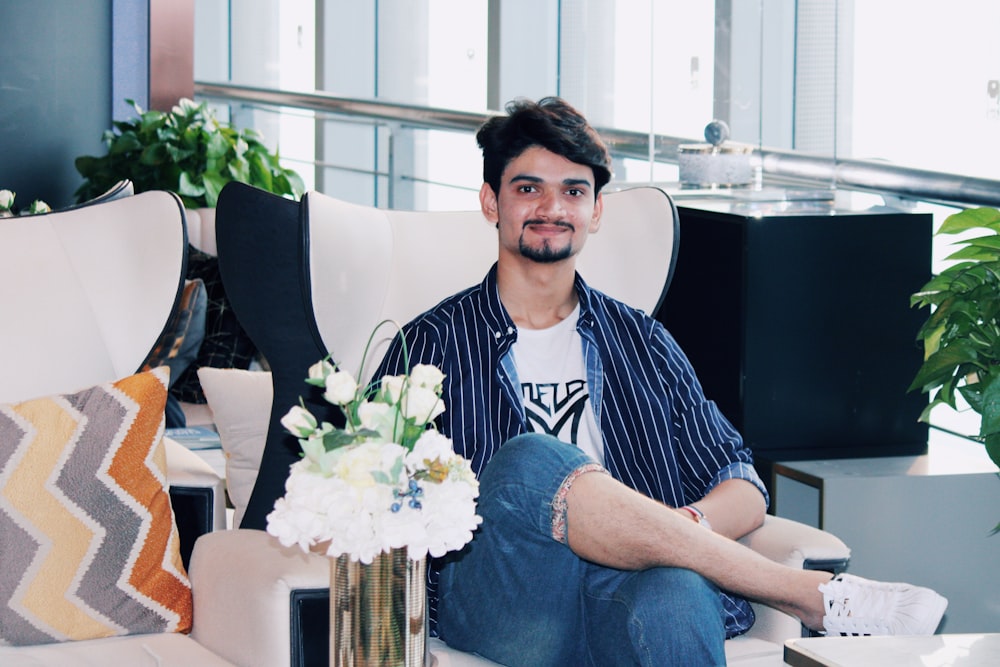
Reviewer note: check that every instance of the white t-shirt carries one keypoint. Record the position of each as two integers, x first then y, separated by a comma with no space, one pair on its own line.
554,385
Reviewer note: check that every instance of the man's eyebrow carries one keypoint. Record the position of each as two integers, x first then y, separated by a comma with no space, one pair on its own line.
535,179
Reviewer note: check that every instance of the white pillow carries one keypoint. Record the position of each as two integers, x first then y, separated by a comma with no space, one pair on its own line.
241,406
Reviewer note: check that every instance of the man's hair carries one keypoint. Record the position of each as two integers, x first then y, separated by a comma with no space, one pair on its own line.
550,123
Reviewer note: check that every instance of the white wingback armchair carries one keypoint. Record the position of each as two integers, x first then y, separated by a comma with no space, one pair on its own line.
311,278
85,293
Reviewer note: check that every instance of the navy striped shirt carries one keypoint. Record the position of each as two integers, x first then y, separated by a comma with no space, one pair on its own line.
661,436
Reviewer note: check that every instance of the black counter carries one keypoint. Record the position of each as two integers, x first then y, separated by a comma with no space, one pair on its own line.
797,320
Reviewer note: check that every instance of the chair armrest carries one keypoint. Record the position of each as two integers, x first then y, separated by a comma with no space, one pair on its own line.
197,495
246,607
796,545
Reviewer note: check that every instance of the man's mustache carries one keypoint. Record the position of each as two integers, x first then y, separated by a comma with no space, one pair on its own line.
557,223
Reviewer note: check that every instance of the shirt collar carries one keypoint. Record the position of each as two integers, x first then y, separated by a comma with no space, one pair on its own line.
499,322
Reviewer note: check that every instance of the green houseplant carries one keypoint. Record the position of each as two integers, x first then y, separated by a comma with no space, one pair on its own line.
961,336
187,151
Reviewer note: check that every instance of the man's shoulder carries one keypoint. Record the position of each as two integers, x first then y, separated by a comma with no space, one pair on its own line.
448,309
612,307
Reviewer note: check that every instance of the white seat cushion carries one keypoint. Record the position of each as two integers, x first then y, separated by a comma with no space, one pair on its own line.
154,650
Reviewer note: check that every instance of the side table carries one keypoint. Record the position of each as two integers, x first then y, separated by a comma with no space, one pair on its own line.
921,519
967,650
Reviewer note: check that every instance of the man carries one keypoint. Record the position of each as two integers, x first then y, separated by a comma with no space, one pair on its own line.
612,541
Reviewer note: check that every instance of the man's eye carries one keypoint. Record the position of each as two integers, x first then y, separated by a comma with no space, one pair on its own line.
575,192
526,188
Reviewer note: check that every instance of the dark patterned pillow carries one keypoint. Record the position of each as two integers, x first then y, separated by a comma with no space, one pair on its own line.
225,345
180,341
87,535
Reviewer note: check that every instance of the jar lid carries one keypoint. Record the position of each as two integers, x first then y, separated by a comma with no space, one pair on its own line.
724,149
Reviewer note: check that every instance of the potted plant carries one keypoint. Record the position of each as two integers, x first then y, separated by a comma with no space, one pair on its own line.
961,336
187,151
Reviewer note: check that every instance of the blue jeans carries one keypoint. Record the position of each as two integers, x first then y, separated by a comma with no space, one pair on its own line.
517,596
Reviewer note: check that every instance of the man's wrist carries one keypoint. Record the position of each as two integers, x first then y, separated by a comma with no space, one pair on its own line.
697,515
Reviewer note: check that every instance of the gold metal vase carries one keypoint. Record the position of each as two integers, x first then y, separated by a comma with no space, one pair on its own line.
378,612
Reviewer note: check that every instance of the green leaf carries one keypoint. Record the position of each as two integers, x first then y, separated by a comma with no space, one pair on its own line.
125,143
991,241
338,438
975,253
381,477
188,187
941,365
213,186
971,218
259,171
992,443
989,408
217,146
154,155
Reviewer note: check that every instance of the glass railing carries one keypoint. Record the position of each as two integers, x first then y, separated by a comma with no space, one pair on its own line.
377,142
384,154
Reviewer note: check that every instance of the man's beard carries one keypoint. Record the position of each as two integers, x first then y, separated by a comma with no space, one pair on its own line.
546,254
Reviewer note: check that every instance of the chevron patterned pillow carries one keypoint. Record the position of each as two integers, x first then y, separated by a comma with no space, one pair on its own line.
87,535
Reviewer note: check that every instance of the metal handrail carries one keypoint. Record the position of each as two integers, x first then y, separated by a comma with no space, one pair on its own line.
864,175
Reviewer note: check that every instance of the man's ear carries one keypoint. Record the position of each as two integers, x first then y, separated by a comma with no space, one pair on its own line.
488,204
595,220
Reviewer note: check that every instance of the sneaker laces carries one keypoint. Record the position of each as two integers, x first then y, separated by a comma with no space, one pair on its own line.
843,599
856,606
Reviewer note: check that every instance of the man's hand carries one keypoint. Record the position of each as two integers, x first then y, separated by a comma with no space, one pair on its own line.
734,508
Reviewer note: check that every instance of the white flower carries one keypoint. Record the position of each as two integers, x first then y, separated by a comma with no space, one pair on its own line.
38,206
316,454
431,447
392,387
341,388
426,375
387,481
371,463
379,417
299,421
320,370
6,200
422,404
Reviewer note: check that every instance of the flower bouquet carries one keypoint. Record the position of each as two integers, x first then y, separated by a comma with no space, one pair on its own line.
378,496
387,480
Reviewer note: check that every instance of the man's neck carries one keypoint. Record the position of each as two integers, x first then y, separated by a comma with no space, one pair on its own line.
537,296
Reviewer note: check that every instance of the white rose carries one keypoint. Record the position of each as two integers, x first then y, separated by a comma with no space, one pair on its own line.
320,370
426,375
361,465
422,404
6,199
38,206
341,388
392,387
378,417
299,422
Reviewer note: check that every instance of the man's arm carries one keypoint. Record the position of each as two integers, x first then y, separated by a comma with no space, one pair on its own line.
733,508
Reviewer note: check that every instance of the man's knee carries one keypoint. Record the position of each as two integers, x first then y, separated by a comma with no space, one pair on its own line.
524,478
522,453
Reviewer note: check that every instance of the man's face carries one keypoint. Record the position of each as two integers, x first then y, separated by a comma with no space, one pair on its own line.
545,208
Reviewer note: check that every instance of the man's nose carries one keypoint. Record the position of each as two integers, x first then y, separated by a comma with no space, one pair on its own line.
550,207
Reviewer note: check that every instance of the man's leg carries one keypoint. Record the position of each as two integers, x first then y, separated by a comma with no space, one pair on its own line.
517,594
661,616
613,525
610,524
514,594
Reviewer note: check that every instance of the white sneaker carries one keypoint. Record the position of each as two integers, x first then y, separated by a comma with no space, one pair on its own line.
857,606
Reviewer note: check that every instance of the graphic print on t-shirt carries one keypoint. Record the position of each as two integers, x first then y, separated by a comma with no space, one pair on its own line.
556,408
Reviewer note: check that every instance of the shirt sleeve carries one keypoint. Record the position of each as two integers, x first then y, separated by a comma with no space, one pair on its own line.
709,448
